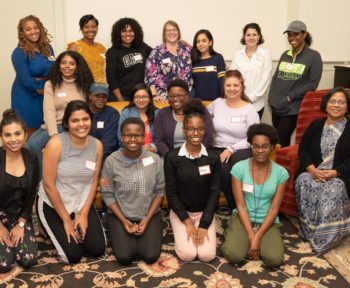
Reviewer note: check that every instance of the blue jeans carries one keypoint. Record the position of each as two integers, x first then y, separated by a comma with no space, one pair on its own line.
38,141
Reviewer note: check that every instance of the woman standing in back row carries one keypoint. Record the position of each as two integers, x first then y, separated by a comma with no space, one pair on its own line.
299,70
32,60
255,64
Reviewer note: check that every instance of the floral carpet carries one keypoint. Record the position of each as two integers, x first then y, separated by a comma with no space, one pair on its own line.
302,268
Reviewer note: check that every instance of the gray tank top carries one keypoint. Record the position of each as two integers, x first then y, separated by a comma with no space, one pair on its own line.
75,172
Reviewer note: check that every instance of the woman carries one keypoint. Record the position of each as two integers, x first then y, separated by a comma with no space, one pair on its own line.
18,187
132,187
69,79
232,115
299,70
93,52
32,60
126,58
255,64
258,186
168,61
322,190
141,106
168,123
72,164
208,67
192,176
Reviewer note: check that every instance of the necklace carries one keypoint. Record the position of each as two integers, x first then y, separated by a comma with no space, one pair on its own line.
256,205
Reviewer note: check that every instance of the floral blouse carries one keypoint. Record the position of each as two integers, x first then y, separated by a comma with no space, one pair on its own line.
162,67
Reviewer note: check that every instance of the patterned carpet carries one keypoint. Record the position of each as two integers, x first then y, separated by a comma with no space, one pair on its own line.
302,269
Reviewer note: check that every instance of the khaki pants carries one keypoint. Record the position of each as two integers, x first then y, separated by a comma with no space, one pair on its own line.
236,245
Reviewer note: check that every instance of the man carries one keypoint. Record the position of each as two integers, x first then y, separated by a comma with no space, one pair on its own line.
106,118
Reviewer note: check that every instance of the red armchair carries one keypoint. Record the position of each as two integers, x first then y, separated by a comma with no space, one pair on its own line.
288,156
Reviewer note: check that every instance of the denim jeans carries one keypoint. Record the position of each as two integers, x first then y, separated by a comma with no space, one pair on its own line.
38,141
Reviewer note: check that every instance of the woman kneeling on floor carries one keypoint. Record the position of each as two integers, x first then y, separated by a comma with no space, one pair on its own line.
132,186
19,179
71,167
192,175
258,186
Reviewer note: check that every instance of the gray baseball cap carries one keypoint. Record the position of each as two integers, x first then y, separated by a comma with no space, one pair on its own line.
99,88
296,26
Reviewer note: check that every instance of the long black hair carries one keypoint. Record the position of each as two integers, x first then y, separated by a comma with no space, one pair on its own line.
10,116
151,109
83,77
195,54
121,24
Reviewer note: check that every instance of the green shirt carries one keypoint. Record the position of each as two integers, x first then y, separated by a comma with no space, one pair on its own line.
264,191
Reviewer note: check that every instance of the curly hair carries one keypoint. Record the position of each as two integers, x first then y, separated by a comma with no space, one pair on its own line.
238,75
43,42
83,77
194,108
122,24
151,109
262,129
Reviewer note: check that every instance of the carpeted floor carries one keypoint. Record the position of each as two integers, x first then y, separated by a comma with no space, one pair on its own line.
302,269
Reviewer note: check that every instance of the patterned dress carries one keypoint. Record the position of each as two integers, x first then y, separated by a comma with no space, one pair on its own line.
162,67
324,207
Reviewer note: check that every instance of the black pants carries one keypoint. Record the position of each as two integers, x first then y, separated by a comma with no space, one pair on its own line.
285,126
25,253
226,184
94,243
127,247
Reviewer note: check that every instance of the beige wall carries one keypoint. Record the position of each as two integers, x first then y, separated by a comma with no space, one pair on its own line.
225,21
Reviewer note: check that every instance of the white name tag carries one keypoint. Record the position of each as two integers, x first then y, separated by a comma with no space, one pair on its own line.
210,68
249,188
103,55
147,161
100,124
90,165
166,61
204,170
61,94
235,119
138,57
51,58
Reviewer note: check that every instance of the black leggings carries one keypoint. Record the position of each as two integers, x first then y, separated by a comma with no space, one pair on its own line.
285,126
94,242
226,184
127,247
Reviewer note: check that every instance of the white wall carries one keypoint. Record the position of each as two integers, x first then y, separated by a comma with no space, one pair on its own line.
326,20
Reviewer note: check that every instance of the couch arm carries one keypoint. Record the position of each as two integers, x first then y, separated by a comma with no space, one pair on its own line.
288,158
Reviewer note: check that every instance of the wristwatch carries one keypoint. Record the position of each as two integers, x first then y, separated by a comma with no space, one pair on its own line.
21,224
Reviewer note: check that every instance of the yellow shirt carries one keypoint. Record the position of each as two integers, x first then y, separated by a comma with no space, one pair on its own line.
95,58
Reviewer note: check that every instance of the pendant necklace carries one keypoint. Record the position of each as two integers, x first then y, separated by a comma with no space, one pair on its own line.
256,205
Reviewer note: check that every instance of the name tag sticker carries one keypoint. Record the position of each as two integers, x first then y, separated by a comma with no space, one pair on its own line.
137,57
166,61
210,68
90,165
235,119
204,170
61,94
249,188
147,161
51,58
100,124
103,55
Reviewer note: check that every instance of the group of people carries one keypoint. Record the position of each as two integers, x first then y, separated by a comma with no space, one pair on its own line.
187,150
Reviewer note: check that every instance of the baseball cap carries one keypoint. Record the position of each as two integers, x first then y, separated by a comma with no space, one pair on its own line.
296,26
99,88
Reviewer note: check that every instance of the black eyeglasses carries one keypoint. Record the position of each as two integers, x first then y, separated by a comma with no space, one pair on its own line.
192,130
130,136
179,96
264,147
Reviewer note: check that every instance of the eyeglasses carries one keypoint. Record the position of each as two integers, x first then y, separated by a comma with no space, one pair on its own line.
335,101
130,136
171,30
264,147
192,130
141,97
179,96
